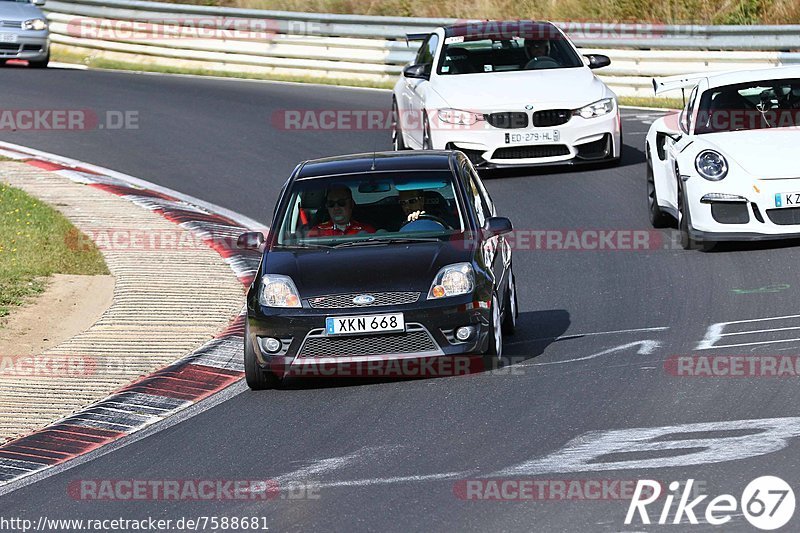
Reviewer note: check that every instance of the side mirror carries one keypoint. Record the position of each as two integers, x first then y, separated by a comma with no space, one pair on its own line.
252,240
598,61
38,2
497,226
416,71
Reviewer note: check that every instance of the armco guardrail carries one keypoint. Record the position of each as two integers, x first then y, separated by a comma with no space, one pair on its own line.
365,47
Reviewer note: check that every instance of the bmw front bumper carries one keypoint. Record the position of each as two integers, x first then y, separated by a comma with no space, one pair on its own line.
577,141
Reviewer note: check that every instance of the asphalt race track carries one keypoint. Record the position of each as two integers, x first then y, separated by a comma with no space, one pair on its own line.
596,335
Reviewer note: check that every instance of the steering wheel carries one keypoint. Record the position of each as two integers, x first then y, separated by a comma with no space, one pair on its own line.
425,216
542,62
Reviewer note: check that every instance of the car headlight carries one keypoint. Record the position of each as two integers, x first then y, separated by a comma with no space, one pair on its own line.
458,116
597,109
711,165
35,24
278,291
452,280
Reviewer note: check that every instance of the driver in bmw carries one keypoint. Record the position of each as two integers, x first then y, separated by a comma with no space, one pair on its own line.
536,50
339,202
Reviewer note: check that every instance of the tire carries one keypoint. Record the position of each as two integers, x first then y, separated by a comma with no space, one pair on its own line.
510,309
427,144
40,64
493,358
256,377
658,219
397,133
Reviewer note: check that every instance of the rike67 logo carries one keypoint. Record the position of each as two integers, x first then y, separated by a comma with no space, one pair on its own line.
767,503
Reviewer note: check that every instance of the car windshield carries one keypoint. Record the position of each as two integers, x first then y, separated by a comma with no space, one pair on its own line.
507,53
750,106
349,210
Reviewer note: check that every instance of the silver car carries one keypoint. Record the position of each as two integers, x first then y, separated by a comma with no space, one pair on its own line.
24,33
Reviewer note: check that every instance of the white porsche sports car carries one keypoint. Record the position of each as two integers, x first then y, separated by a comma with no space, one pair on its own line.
506,94
724,167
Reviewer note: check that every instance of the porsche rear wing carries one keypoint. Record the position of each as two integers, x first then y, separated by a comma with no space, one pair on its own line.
416,37
672,83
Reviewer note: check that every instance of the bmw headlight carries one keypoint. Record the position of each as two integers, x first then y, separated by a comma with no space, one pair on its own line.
452,280
278,291
458,116
597,109
35,24
711,165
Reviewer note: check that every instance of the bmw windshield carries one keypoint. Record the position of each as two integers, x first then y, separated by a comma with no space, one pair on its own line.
409,206
466,55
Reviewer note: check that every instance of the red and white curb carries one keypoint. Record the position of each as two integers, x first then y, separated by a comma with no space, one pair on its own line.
200,374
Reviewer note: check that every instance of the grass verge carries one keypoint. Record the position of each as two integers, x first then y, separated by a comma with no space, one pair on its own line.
34,244
663,12
102,63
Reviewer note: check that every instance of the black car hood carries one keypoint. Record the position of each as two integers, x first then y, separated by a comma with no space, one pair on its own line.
393,267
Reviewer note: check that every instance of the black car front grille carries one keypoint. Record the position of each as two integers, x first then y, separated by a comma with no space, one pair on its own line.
508,120
551,117
599,149
730,212
17,24
415,340
531,152
345,301
31,48
784,217
11,47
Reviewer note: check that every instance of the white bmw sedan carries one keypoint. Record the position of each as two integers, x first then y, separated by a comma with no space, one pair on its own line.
506,94
726,166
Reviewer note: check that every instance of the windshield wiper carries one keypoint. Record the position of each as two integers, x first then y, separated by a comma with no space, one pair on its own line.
305,246
386,240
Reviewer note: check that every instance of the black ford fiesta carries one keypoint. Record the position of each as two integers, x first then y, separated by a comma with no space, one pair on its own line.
379,257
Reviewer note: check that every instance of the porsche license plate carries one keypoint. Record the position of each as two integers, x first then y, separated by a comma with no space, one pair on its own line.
787,199
8,37
358,325
534,137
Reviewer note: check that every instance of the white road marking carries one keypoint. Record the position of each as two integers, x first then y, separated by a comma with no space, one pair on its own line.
646,347
714,333
586,453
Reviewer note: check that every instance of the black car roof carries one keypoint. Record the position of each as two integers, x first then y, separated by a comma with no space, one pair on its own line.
502,29
376,162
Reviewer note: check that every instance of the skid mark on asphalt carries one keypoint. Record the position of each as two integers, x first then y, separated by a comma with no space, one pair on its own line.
591,334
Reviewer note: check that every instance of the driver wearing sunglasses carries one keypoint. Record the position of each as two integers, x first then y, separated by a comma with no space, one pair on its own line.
339,202
413,204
